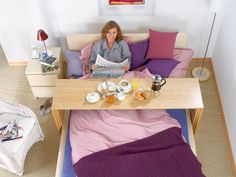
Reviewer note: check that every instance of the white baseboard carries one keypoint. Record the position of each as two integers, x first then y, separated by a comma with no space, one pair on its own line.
17,62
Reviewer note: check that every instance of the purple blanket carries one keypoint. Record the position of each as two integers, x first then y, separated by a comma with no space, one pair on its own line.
164,154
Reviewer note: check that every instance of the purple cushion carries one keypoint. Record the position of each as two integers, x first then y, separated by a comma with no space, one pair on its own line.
161,44
138,51
161,67
74,64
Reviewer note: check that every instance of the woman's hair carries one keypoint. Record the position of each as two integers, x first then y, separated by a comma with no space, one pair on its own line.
108,26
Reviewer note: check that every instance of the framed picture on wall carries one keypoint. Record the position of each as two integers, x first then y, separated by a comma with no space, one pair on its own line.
126,2
126,7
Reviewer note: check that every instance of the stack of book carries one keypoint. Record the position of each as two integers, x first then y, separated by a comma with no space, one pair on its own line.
49,61
49,64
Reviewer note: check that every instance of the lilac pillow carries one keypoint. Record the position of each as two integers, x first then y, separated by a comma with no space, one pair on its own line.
161,44
138,51
74,64
161,67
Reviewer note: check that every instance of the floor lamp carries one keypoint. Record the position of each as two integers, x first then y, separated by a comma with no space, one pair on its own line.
201,72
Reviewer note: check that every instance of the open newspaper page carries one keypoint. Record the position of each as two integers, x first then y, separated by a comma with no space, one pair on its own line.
10,131
107,68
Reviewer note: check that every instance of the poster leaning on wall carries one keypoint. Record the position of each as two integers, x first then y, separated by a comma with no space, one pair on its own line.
126,7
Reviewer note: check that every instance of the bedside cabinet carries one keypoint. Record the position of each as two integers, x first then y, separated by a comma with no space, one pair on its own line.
42,84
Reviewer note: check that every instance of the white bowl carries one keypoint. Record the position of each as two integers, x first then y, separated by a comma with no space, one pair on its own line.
92,97
120,96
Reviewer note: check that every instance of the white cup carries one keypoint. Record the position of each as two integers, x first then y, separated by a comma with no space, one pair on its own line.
124,86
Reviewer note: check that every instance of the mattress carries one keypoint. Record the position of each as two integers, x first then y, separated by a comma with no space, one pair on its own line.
179,114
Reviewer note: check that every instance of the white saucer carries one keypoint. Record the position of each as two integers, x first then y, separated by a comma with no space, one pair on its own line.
92,97
111,86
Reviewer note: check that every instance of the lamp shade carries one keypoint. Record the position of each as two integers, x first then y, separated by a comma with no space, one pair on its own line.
41,35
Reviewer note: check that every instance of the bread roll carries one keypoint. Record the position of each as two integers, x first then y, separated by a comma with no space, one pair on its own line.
146,94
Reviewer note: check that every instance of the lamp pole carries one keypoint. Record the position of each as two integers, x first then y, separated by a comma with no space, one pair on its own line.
208,42
45,47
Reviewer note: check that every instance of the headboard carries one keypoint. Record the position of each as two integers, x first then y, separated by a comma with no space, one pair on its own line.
77,41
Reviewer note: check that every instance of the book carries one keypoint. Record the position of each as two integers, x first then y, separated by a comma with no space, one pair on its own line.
49,61
50,69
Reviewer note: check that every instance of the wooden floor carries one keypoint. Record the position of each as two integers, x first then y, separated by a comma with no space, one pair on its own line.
41,159
210,139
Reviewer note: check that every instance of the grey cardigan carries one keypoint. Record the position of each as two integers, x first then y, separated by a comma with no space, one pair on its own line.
119,52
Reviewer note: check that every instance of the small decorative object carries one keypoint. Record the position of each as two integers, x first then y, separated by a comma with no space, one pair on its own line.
157,83
92,97
124,86
35,53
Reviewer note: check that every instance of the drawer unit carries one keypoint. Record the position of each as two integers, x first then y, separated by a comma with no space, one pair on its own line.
41,92
42,80
42,83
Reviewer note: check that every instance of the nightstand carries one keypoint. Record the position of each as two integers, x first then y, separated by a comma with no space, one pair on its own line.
42,84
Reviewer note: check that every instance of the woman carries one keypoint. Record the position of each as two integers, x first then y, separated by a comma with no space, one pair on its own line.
111,47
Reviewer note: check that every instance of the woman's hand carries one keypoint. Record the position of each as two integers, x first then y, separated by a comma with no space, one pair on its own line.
126,67
94,67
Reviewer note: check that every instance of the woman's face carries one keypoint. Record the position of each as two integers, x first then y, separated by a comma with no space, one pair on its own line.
111,35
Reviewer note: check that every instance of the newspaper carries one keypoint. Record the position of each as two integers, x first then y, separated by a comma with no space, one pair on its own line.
107,68
102,62
10,131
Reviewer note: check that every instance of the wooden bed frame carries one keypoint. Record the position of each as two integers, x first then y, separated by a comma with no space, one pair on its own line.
76,42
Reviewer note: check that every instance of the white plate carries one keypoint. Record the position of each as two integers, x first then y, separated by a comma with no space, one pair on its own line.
111,86
92,97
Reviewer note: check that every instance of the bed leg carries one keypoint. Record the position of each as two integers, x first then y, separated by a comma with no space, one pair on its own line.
57,114
196,117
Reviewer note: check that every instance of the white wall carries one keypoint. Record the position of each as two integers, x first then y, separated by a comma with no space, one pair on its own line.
21,19
225,68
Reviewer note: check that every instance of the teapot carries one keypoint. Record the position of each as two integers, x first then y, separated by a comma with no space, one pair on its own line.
157,83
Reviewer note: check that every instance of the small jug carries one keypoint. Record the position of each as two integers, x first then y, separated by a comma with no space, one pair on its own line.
157,83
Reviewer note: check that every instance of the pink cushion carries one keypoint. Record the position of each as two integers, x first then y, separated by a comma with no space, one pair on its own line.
128,39
161,44
85,55
85,52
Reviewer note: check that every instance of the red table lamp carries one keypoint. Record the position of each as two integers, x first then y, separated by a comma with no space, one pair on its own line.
42,36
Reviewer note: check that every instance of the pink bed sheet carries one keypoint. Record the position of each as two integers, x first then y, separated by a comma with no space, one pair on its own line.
93,131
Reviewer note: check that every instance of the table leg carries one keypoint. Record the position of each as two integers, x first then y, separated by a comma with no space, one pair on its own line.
196,117
57,118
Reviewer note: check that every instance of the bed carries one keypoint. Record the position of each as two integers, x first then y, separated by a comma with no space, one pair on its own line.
76,42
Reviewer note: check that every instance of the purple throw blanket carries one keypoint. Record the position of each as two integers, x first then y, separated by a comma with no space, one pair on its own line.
164,154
